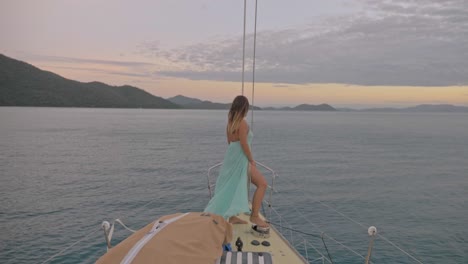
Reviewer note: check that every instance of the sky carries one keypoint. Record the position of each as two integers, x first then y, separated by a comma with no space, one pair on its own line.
347,53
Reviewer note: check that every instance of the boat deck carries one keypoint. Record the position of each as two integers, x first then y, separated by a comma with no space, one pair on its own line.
279,248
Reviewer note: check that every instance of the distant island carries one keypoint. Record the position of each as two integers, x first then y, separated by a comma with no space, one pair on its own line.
304,107
194,103
447,108
22,84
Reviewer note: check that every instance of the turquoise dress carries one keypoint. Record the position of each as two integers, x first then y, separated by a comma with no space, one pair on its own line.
231,197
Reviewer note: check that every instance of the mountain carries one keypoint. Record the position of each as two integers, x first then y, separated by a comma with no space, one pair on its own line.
307,107
183,100
423,108
22,84
269,108
304,107
380,109
437,108
194,103
286,108
344,109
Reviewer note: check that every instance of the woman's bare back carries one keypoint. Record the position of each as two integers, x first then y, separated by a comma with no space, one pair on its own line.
235,136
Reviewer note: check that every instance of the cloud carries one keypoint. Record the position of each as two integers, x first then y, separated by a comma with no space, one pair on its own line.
84,61
281,85
102,67
102,71
390,42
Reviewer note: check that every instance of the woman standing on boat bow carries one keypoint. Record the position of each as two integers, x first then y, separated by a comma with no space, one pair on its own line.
231,194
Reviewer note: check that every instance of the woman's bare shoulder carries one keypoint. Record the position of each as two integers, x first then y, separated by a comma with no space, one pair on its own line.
243,125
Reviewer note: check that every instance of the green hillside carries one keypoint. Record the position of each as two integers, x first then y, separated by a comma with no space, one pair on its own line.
22,84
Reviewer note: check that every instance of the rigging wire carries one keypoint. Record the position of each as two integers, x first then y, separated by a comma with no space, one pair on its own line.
323,233
308,234
253,65
117,220
381,236
305,241
65,249
384,238
243,47
330,237
356,222
252,120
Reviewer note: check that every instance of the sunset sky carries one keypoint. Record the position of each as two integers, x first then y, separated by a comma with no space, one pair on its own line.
347,53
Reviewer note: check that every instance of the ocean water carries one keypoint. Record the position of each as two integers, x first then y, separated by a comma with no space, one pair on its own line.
65,170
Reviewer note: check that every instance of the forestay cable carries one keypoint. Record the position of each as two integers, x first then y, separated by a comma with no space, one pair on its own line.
253,65
243,45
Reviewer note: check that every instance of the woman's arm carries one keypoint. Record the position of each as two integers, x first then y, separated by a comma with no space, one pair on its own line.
243,133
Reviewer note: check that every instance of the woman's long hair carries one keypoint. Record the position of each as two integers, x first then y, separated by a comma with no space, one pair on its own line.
238,110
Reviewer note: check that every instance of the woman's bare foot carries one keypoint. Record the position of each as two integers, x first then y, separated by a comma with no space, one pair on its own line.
258,221
236,220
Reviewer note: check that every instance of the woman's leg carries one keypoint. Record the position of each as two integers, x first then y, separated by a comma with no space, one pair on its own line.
236,220
259,180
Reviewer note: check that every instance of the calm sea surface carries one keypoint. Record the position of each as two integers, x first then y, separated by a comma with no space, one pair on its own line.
65,170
